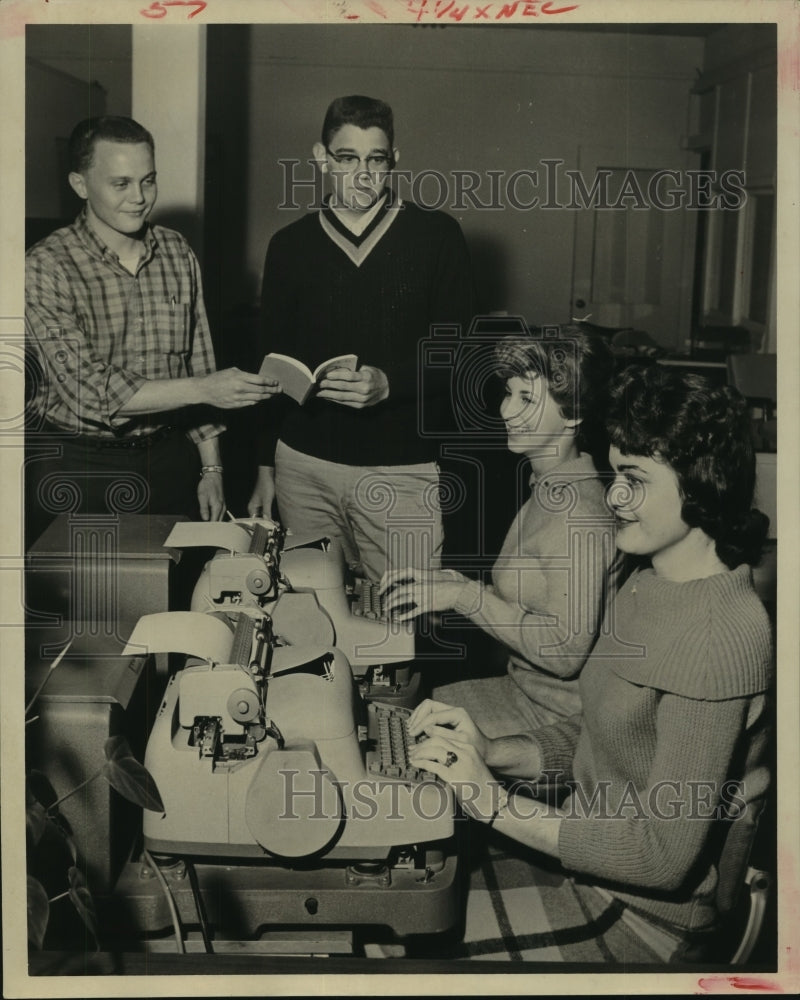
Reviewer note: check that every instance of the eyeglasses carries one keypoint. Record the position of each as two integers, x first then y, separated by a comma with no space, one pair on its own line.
375,163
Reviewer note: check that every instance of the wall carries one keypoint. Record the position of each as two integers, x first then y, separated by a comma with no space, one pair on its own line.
72,71
90,52
177,124
737,94
478,99
55,101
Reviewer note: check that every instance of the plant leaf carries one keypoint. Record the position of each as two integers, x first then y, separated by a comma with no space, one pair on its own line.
116,747
71,846
47,676
38,785
38,912
82,899
63,827
35,819
130,778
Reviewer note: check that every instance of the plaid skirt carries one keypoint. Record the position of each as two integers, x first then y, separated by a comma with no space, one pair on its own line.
523,907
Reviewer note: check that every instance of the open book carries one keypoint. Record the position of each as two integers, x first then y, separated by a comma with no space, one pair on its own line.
296,379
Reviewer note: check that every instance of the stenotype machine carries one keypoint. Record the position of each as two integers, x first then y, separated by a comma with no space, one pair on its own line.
256,749
256,564
266,755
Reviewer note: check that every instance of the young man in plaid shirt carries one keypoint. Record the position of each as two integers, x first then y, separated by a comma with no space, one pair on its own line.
114,309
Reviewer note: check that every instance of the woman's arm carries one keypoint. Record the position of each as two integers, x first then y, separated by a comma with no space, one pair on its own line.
557,636
554,621
650,834
484,798
647,837
543,756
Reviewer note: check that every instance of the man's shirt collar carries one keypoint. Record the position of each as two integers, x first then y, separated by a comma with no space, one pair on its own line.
95,245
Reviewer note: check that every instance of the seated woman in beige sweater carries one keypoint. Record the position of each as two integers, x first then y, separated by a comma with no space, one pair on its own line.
557,568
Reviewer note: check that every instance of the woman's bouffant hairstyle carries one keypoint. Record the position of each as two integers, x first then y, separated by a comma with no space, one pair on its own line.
703,433
578,367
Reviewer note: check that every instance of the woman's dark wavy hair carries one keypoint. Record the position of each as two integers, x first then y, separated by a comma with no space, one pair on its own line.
578,367
703,433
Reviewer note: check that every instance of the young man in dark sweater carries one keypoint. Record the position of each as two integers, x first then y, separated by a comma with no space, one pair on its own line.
368,275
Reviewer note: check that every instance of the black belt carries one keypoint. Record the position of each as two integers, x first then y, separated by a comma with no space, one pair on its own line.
140,442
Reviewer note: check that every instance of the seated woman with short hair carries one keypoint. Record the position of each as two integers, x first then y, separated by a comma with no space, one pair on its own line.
666,769
557,569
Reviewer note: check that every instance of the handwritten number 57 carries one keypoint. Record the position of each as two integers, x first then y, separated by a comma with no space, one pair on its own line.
158,8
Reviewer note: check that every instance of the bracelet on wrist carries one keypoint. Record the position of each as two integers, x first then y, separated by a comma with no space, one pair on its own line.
210,468
500,806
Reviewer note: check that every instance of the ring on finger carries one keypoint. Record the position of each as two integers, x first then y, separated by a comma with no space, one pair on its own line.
451,758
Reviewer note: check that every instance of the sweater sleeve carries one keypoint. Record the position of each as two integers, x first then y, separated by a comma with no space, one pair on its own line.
556,745
654,834
277,321
451,303
555,620
452,287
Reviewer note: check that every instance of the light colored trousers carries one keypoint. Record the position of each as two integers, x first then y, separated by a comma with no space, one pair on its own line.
385,516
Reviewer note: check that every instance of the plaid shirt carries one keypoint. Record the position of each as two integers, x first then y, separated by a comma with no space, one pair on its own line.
102,332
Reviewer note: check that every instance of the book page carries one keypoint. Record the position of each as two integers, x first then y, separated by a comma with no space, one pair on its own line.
296,379
348,361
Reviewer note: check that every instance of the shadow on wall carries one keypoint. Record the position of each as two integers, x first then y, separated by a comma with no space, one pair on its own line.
489,267
233,332
228,286
235,344
189,224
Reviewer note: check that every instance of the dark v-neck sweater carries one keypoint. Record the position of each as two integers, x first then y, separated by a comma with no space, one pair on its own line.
327,292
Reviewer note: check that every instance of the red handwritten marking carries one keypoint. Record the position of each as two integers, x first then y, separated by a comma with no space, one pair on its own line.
376,8
456,13
507,10
788,69
723,984
13,23
158,8
547,8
